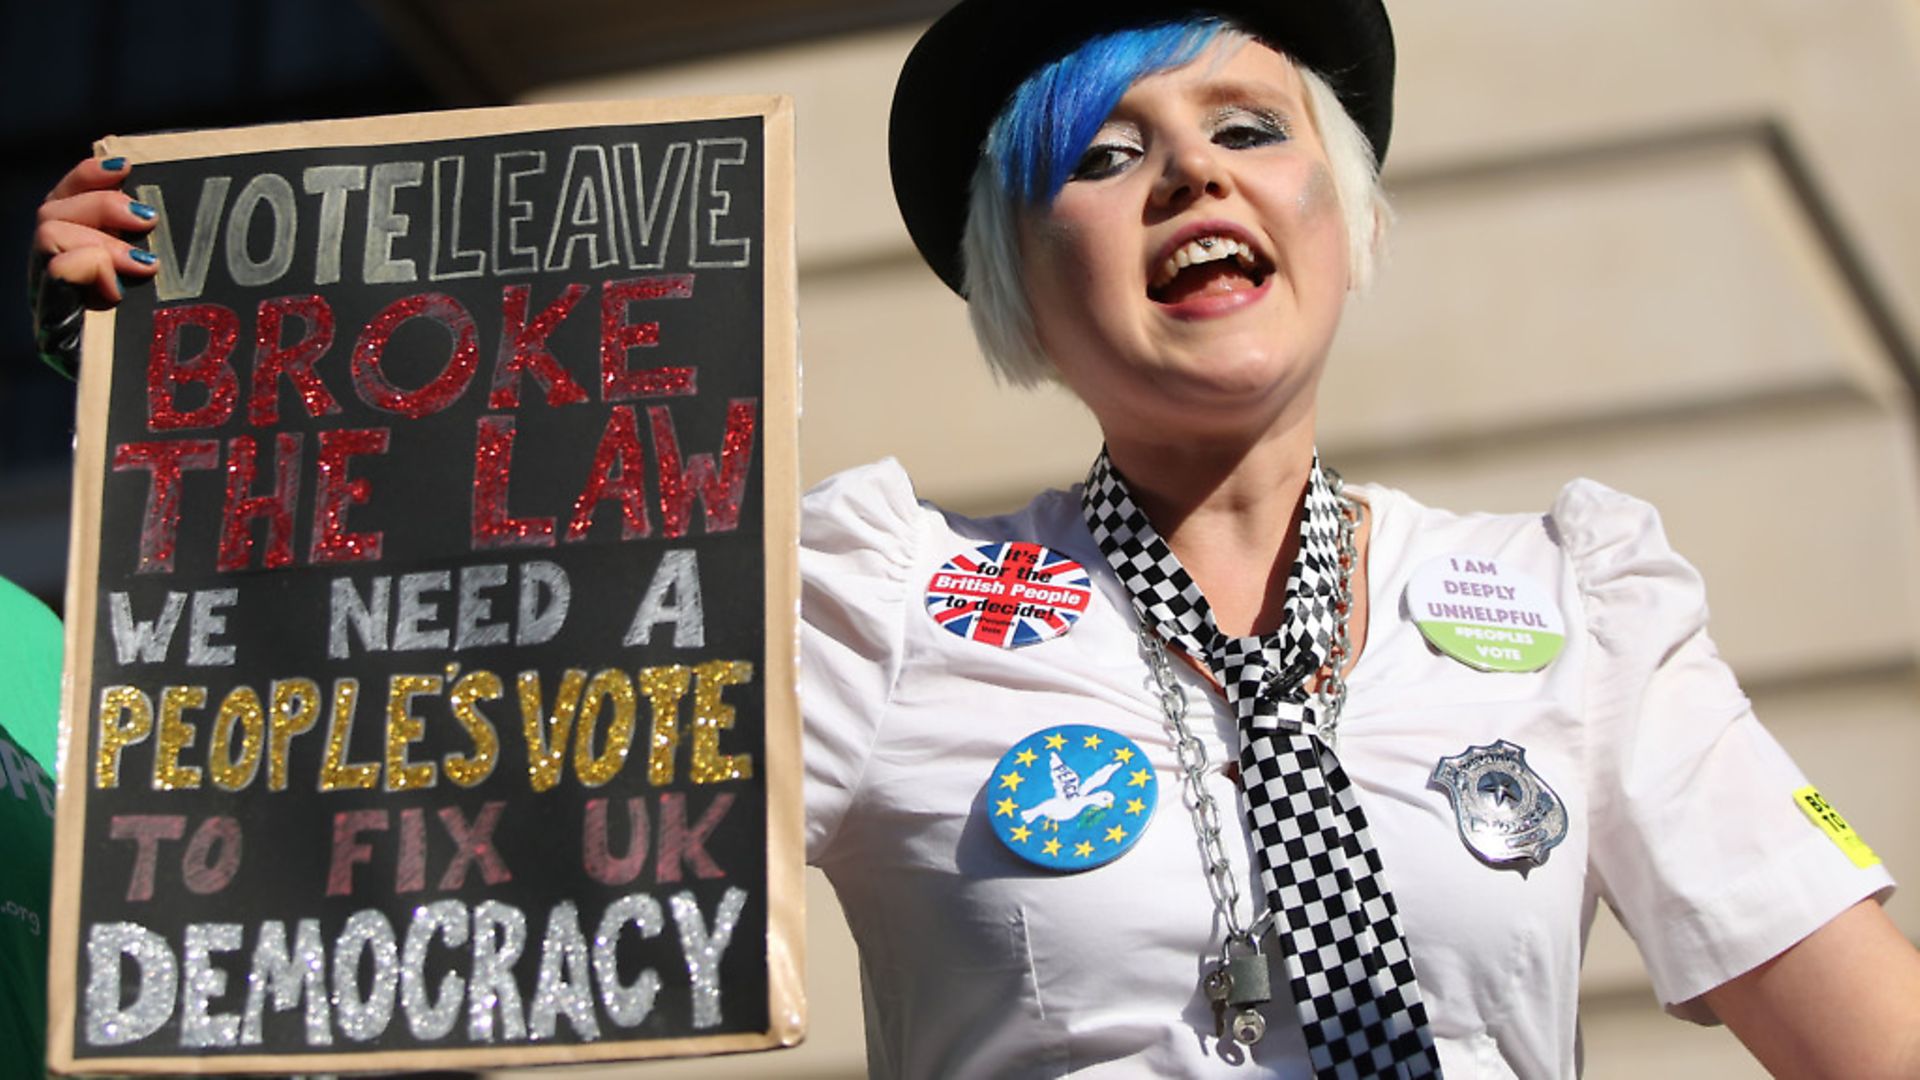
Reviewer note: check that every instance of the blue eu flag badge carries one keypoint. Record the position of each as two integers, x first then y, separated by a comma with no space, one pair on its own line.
1072,797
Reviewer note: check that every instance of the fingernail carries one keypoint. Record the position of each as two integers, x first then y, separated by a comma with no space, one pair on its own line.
114,164
143,211
141,256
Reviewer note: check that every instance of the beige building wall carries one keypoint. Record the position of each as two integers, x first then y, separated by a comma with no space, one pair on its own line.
1672,246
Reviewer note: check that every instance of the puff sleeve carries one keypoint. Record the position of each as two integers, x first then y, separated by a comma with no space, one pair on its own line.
859,532
1697,844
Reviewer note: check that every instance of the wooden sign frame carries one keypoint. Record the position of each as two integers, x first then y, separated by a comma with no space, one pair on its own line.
92,862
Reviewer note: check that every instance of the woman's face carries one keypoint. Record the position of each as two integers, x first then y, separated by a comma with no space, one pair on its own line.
1190,275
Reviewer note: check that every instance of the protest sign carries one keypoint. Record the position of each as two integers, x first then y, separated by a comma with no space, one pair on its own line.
431,618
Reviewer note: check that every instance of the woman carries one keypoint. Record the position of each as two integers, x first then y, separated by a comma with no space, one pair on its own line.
1168,218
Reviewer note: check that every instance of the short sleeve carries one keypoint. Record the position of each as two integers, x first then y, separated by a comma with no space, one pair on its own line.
858,538
1697,842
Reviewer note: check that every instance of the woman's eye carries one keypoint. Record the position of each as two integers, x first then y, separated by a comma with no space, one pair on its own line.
1244,130
1103,160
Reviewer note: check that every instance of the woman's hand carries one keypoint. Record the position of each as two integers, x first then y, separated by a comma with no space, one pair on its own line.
81,240
81,255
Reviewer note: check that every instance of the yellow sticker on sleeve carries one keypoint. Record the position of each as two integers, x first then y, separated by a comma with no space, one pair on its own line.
1822,813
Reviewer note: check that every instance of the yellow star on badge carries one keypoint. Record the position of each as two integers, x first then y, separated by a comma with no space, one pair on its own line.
1051,847
1083,849
1123,755
1056,741
1020,833
1004,808
1136,806
1092,742
1025,757
1139,777
1116,834
1011,781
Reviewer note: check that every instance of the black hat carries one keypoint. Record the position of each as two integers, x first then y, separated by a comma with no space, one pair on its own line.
965,67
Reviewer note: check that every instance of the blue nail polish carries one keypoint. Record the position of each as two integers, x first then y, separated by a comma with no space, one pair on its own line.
143,211
114,164
141,256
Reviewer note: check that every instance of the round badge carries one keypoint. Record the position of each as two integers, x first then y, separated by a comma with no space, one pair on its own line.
1485,615
1072,797
1009,594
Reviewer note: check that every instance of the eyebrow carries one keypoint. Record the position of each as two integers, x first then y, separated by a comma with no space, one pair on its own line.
1215,92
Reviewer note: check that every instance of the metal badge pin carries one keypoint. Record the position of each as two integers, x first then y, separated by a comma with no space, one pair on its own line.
1507,815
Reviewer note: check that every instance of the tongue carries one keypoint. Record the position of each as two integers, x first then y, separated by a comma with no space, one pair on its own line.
1204,280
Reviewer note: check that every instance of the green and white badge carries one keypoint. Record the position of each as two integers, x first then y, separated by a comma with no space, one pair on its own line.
1485,615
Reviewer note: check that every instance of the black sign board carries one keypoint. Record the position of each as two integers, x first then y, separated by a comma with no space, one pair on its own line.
431,619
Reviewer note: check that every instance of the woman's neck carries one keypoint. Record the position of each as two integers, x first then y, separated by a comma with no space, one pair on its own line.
1229,512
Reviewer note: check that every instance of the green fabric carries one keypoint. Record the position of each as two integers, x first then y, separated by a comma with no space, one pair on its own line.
30,648
30,644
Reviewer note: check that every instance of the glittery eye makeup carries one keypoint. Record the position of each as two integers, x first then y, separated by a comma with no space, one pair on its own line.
1114,147
1244,127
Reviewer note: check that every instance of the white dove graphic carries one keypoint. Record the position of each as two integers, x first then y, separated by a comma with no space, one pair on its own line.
1070,794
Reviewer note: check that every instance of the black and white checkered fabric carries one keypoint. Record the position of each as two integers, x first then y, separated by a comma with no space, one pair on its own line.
1346,959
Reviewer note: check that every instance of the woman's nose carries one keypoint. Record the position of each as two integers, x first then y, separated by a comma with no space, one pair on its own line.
1192,169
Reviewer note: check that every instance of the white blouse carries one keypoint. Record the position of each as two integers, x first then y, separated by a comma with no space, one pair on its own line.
976,963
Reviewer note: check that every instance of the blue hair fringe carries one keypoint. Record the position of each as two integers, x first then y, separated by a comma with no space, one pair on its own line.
1053,116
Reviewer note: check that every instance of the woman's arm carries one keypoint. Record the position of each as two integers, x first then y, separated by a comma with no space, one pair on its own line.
1844,1002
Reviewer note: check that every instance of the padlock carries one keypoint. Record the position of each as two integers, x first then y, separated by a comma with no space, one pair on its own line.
1248,980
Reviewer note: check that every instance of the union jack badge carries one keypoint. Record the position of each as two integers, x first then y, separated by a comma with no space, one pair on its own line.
1507,815
1009,594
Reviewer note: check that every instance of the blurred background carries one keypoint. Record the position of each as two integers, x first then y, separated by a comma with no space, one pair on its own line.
1674,247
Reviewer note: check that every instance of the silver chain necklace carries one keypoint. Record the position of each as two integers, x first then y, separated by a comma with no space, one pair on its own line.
1191,754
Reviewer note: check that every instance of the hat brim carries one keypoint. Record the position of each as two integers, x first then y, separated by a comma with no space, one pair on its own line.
966,66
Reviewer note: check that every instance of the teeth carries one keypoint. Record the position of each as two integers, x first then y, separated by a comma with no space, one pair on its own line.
1202,250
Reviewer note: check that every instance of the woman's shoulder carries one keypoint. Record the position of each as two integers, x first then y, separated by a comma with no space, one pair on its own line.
1600,551
1585,521
877,505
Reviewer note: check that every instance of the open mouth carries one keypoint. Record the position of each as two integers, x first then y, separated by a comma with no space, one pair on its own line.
1207,265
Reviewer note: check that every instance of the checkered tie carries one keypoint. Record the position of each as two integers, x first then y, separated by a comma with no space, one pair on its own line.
1346,959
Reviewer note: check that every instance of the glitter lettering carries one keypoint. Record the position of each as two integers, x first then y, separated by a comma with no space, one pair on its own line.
546,733
523,349
275,507
141,986
336,491
618,336
369,375
273,360
219,328
617,470
711,717
720,491
493,525
163,462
